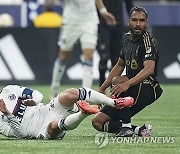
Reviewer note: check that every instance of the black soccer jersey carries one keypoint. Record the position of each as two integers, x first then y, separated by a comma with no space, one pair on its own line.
135,52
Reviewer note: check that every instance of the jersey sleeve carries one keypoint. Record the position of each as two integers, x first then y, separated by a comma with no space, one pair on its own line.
26,93
12,128
37,96
32,94
121,55
150,46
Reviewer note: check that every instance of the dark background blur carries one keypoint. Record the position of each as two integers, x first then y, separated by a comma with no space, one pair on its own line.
27,54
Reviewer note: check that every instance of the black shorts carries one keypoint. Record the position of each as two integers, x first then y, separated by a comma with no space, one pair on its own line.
143,94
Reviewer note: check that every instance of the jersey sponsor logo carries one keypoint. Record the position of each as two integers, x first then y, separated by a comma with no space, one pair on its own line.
148,55
12,62
19,110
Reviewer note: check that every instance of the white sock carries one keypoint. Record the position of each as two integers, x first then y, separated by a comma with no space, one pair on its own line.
72,121
57,74
94,97
126,125
87,79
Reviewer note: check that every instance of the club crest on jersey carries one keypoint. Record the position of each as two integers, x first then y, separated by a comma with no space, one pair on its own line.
134,64
148,49
12,97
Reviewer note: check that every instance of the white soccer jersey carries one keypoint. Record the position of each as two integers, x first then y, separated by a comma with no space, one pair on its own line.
33,120
13,96
80,12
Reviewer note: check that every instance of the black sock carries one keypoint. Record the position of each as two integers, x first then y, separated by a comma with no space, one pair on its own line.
112,126
134,127
140,129
102,71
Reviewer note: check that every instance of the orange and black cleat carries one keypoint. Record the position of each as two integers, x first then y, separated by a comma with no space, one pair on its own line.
88,109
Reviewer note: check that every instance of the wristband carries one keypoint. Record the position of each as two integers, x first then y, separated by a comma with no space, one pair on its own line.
103,10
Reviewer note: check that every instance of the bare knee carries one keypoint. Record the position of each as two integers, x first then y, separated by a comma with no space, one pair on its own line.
69,97
53,129
72,93
99,120
97,124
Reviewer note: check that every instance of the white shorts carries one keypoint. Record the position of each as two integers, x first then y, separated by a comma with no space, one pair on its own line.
47,113
62,111
70,34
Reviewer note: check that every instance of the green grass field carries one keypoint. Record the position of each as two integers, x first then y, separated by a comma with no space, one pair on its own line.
164,115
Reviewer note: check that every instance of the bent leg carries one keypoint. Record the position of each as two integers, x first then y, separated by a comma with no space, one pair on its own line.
99,120
71,121
53,131
71,96
68,97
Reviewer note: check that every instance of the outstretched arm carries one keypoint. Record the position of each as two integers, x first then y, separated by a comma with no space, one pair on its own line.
110,19
116,71
148,70
129,5
13,128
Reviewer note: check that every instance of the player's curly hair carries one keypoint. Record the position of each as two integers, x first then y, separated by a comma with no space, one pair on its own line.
140,9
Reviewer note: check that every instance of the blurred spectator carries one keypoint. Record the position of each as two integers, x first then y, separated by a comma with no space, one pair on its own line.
6,20
49,18
110,37
10,2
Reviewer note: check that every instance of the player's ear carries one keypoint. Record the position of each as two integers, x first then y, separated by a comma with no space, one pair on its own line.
128,22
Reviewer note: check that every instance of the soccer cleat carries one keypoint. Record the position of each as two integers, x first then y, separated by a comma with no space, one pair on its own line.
88,109
125,132
123,102
145,130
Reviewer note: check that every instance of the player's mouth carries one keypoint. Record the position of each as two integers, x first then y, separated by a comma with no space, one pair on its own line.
137,30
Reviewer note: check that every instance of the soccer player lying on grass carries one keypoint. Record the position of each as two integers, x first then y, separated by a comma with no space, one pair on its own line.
24,116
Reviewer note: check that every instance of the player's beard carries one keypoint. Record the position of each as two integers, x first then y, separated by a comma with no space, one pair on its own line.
138,33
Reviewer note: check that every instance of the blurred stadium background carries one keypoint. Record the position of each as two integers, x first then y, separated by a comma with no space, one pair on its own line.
22,46
27,55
